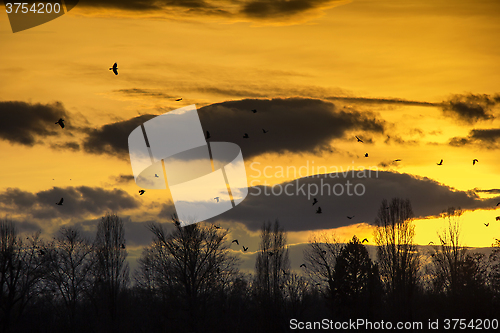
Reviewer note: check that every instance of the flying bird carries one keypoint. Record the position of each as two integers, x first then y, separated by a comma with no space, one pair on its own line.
245,136
254,111
498,204
359,140
60,122
398,160
366,154
474,161
235,241
208,135
350,217
318,211
487,224
141,192
60,202
431,242
440,163
114,68
303,265
498,218
245,248
263,130
364,240
216,198
315,201
178,99
156,175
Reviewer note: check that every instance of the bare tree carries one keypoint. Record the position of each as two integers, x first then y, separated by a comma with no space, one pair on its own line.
70,268
110,266
193,264
494,274
272,269
449,256
398,258
320,258
21,272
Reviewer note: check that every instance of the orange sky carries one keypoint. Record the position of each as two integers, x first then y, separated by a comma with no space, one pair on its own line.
424,51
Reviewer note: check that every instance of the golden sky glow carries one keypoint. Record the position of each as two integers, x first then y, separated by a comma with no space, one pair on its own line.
425,52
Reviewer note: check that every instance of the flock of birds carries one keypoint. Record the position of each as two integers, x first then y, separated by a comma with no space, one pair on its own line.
60,122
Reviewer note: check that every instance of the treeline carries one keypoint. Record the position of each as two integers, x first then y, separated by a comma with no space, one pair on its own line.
187,280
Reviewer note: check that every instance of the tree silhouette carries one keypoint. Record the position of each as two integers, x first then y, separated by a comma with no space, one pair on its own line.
70,266
272,269
192,264
320,258
398,258
355,279
111,269
21,272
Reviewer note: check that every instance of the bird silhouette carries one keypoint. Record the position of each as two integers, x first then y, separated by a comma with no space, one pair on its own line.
216,198
440,163
123,246
359,140
245,248
208,135
303,265
60,122
498,204
156,175
60,202
235,241
366,154
315,201
254,111
350,217
364,240
474,161
431,242
245,136
498,218
318,211
263,130
398,160
178,99
141,192
487,224
114,68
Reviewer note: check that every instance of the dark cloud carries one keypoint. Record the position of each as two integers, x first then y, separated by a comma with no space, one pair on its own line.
485,138
295,125
144,92
277,8
254,9
470,108
296,212
400,141
144,5
490,191
112,138
78,202
27,124
364,100
124,178
71,145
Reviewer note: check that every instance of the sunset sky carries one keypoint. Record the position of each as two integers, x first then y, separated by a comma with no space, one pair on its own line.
415,80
